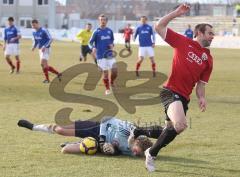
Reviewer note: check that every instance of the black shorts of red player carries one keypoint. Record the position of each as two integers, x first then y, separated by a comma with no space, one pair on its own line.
168,96
127,43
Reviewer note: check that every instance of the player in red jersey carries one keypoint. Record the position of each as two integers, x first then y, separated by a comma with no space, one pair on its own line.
127,36
192,65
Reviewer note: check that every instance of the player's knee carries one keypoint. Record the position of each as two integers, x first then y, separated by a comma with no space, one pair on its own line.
140,61
44,67
180,126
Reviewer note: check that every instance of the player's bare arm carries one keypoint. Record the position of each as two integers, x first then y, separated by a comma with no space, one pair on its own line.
4,45
161,25
200,92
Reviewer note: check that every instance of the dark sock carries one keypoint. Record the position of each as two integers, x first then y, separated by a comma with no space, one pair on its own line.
151,132
167,135
25,124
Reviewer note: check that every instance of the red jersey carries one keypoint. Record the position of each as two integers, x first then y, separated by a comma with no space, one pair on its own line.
191,63
127,33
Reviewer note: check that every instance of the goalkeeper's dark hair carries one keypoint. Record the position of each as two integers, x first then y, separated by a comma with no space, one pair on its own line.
143,142
201,27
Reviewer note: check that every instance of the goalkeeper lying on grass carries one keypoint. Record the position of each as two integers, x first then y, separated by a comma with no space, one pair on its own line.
114,136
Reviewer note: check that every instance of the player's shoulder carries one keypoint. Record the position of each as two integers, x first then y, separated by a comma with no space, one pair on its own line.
44,29
108,29
149,27
84,31
34,31
139,27
7,28
15,27
97,30
173,32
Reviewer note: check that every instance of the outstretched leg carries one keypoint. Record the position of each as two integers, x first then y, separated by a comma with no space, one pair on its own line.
68,130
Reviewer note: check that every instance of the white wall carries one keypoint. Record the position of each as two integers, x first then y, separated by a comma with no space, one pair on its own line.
69,35
25,2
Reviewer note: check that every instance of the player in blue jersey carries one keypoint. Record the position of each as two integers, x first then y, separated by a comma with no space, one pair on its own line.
102,44
42,41
114,136
146,38
189,32
11,44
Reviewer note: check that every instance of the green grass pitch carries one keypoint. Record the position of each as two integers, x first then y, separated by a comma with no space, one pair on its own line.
209,147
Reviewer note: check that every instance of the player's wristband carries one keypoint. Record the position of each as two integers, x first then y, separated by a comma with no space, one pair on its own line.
102,139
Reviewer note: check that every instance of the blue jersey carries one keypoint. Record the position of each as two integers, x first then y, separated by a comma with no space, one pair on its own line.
117,131
101,39
42,38
146,35
189,33
9,33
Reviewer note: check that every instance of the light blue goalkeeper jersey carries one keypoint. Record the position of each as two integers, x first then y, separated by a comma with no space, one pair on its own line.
117,131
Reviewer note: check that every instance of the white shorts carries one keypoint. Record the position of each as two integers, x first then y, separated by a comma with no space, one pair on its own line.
44,55
146,51
106,64
12,49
